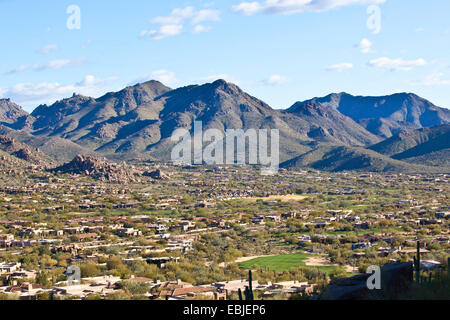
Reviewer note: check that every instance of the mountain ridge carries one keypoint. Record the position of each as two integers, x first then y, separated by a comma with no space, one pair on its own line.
424,145
137,121
395,112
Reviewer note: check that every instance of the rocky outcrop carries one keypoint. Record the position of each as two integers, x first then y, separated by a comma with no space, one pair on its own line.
157,175
7,143
12,115
100,170
396,278
24,152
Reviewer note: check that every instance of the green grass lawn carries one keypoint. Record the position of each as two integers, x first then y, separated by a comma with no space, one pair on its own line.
356,207
283,262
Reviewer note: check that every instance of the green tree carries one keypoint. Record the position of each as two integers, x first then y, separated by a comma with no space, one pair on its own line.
89,270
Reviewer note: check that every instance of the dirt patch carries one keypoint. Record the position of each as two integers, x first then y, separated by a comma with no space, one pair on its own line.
318,261
351,269
243,259
285,198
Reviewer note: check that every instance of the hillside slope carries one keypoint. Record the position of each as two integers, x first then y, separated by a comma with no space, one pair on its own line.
387,115
12,115
341,158
328,125
24,152
428,146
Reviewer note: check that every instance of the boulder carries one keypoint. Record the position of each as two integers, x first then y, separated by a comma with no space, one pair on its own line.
395,280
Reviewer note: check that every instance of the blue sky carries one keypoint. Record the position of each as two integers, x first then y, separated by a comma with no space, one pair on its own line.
280,51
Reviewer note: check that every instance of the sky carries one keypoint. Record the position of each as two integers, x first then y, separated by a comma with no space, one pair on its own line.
280,51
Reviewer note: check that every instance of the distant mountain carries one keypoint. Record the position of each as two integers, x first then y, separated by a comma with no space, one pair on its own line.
426,146
13,115
222,105
57,148
342,158
93,122
328,125
137,122
387,115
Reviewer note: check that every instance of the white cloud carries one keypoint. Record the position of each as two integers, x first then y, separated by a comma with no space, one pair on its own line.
48,48
164,76
180,15
58,64
364,45
295,6
248,8
164,31
173,24
91,80
275,80
200,28
51,65
177,16
18,69
433,80
397,64
339,67
31,94
205,15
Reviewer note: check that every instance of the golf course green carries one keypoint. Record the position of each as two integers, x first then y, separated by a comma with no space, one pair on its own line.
284,262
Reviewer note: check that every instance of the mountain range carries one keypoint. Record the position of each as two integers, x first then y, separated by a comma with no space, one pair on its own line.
399,132
387,115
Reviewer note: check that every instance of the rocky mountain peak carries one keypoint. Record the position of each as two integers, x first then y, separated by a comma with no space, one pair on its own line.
227,87
311,108
11,113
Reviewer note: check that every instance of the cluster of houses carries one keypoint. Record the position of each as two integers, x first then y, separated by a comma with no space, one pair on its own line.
168,290
168,237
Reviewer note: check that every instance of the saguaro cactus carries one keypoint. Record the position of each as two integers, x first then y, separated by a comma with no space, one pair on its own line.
448,267
250,284
417,263
248,292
